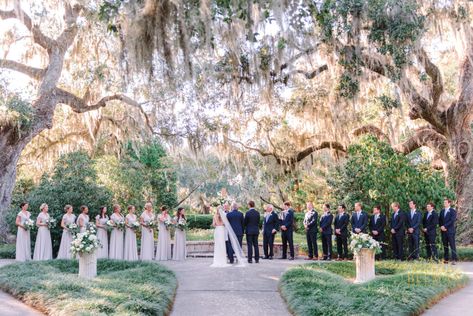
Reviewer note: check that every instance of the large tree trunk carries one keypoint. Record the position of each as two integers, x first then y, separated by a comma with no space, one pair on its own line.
11,147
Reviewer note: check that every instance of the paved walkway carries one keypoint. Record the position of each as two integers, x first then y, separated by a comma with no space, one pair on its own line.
458,303
10,306
232,291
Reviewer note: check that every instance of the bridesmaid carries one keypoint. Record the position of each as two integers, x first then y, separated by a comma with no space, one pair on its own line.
65,247
147,233
163,251
131,250
102,235
23,241
83,219
43,248
116,239
179,251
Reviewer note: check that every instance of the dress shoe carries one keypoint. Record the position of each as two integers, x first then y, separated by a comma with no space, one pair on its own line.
256,261
270,258
249,261
309,258
316,259
265,258
292,258
283,258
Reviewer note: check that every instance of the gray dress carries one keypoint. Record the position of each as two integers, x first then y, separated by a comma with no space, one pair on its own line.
116,239
43,248
102,236
163,250
23,241
147,238
131,250
179,251
66,239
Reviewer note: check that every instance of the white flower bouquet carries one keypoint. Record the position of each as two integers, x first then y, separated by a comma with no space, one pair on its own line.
120,225
168,223
85,242
91,228
135,226
181,224
51,223
150,224
73,228
110,224
29,224
363,241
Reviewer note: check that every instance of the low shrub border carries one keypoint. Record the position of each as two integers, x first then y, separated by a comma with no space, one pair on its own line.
121,288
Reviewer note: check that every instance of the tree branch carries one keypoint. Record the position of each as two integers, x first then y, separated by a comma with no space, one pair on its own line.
428,137
371,129
35,73
269,202
434,73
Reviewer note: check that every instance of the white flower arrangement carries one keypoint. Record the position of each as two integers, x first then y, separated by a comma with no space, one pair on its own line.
150,224
363,241
85,242
135,226
28,224
118,225
73,228
168,223
181,224
51,223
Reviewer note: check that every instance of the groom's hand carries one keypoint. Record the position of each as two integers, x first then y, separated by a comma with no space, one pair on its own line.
283,227
274,231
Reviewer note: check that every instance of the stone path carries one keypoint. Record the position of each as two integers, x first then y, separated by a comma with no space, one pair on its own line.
10,306
458,303
232,291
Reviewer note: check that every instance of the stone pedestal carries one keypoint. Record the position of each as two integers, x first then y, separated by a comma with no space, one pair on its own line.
364,260
88,265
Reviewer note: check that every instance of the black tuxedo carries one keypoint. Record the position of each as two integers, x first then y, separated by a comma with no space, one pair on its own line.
270,222
413,221
341,222
252,219
378,225
310,220
430,224
361,222
287,235
448,237
236,220
326,227
397,223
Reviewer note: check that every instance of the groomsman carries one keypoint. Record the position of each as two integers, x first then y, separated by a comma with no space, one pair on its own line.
398,220
270,228
359,220
252,219
447,220
341,232
414,219
310,225
377,225
287,230
326,230
429,224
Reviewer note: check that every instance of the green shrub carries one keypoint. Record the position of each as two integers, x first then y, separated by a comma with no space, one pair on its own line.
404,288
7,251
200,221
121,287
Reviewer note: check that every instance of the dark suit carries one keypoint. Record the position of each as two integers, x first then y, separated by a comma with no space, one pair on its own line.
326,227
310,220
269,223
341,222
287,235
397,223
448,237
252,218
413,221
378,225
360,222
236,220
430,223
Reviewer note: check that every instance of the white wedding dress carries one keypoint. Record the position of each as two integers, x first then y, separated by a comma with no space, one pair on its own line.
220,250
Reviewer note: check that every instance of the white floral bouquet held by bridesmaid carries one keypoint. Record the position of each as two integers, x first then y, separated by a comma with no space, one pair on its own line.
73,228
85,242
29,224
363,241
51,223
168,223
181,224
135,226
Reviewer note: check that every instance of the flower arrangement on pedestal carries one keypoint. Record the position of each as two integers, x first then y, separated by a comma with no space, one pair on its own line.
363,241
85,242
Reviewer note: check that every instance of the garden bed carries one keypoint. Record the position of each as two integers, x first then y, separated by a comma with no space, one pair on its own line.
121,288
399,288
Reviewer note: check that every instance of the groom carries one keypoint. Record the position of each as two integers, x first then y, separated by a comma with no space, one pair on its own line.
236,220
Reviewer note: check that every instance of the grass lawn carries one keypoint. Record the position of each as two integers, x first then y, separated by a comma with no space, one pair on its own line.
399,289
121,288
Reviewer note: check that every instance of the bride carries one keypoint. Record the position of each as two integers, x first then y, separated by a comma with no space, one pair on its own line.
220,222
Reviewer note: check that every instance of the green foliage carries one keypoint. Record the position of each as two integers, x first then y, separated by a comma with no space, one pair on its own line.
121,288
15,112
404,289
387,103
7,251
73,181
375,174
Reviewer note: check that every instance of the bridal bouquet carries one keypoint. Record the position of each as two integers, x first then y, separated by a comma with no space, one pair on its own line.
29,224
85,242
51,223
73,228
363,241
